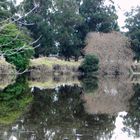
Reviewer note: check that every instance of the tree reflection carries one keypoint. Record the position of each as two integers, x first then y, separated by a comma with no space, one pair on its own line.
59,114
89,83
13,100
132,119
56,114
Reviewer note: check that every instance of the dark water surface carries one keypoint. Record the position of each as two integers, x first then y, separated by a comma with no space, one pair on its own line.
70,109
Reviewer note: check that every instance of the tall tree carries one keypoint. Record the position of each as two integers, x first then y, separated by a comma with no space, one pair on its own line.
97,17
66,20
7,9
40,20
63,24
133,26
15,46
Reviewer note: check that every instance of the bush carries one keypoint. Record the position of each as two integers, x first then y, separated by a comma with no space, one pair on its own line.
15,46
90,64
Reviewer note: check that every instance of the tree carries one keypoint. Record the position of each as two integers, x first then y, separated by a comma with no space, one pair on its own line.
56,21
113,51
63,24
133,26
66,20
7,9
15,46
97,17
40,21
90,64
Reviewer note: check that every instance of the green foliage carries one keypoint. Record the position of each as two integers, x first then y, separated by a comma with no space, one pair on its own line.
64,24
66,20
7,9
97,17
133,26
15,46
42,25
90,64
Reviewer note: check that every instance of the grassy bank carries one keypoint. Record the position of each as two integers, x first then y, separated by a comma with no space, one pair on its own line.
46,64
50,62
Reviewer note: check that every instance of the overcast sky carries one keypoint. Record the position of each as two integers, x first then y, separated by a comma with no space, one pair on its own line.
125,5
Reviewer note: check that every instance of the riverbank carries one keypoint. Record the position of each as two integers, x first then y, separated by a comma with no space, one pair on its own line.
45,65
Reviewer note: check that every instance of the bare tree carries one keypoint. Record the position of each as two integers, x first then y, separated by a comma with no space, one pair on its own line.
113,50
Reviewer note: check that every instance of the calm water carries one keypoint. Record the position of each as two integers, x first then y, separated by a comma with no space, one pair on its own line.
67,108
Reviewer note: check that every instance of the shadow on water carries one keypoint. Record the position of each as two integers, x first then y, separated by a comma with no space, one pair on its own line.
93,110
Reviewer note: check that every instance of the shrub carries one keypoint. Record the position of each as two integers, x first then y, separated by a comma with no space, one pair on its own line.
15,46
90,64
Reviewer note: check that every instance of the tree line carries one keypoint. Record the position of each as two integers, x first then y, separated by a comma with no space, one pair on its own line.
58,27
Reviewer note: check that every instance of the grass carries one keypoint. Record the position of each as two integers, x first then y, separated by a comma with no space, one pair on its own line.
50,62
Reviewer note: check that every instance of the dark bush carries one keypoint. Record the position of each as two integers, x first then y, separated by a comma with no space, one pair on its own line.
90,64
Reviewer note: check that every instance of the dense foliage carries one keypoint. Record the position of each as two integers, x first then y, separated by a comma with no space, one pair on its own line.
14,46
90,64
133,26
63,25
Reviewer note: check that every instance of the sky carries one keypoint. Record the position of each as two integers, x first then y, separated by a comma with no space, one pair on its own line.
124,6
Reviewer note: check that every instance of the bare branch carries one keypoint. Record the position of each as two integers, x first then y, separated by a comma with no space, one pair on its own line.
18,19
36,40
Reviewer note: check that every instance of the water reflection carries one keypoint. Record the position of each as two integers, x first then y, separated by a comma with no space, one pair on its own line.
97,109
89,83
13,100
132,119
112,96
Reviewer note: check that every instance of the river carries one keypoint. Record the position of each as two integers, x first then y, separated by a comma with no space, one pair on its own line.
70,108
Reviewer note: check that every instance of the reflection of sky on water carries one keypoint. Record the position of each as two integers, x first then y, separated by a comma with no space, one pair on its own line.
119,133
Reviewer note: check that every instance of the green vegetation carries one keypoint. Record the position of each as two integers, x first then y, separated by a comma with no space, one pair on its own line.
63,25
133,26
15,46
90,64
59,26
46,65
51,62
7,9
